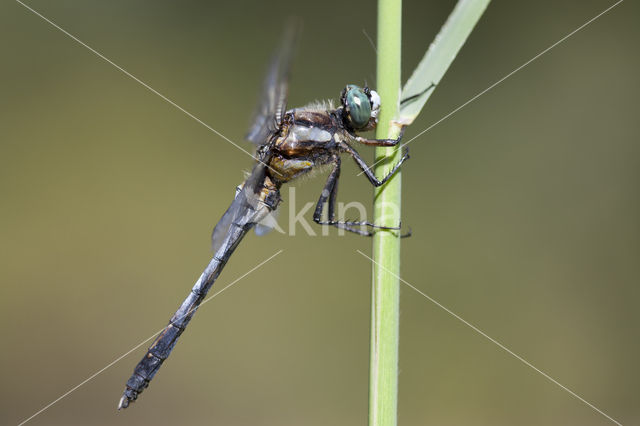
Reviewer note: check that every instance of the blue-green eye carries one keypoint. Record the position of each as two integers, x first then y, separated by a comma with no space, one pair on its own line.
358,106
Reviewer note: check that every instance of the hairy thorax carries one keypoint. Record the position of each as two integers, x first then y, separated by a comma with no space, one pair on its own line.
307,139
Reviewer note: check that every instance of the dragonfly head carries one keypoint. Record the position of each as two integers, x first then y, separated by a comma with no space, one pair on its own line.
362,106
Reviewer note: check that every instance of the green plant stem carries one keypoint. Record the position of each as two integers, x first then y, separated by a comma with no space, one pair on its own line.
385,305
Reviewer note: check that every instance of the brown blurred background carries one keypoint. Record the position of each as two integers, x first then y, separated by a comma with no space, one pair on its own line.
524,207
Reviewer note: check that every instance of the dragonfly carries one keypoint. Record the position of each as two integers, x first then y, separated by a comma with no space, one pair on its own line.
289,144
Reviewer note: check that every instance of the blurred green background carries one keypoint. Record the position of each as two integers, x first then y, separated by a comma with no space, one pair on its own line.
524,207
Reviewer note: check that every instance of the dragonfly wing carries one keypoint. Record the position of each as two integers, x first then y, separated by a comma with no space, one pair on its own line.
266,123
244,209
268,224
273,102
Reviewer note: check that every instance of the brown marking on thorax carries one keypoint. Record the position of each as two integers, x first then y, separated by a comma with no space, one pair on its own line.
305,132
320,118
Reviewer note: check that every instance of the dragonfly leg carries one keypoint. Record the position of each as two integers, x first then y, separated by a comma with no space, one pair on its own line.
369,173
329,193
380,142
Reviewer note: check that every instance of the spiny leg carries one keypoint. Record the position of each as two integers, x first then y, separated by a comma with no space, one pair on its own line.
380,142
367,171
331,212
330,192
333,194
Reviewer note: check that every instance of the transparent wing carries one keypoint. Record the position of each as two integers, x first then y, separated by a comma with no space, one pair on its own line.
273,102
268,224
243,208
266,122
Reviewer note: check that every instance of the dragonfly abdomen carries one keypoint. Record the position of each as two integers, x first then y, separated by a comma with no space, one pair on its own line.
167,339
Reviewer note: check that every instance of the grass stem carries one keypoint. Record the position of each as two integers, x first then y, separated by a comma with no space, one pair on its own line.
385,309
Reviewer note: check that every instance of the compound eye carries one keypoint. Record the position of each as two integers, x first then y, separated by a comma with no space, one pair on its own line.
358,106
